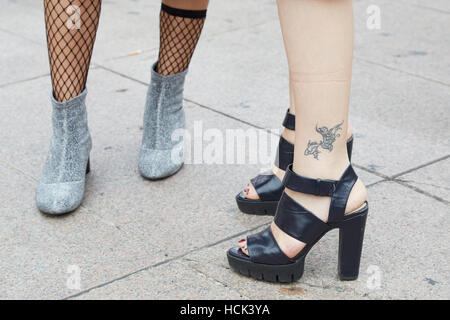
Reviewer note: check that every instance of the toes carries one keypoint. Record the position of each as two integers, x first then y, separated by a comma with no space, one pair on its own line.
250,192
243,245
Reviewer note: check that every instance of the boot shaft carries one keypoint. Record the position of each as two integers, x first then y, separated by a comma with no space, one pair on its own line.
163,110
69,118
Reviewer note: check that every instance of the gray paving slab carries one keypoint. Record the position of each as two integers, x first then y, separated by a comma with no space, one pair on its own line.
397,127
440,5
398,259
40,255
26,134
169,281
20,59
409,38
433,179
366,177
119,20
24,18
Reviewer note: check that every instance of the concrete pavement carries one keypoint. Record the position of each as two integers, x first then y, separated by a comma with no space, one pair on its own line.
160,240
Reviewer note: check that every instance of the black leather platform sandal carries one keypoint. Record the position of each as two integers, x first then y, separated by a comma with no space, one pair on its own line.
268,262
267,184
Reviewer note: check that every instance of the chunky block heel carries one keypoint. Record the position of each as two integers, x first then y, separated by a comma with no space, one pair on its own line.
351,236
266,261
267,185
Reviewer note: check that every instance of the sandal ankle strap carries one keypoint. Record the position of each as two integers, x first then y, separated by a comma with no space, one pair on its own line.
340,196
338,190
289,121
317,187
285,154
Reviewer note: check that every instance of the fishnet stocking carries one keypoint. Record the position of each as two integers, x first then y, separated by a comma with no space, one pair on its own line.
71,29
179,34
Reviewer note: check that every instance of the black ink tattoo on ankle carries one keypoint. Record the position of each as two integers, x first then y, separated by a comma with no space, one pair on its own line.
329,137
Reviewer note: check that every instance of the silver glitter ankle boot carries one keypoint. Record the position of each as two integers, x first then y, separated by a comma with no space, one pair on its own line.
61,186
161,153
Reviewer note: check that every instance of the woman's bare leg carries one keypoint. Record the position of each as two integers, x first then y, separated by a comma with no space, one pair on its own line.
301,42
318,37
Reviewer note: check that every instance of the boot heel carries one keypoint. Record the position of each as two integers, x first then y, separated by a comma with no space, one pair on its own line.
88,166
351,236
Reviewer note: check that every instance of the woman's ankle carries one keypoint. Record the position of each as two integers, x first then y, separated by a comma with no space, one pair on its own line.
320,205
349,131
289,135
331,169
357,197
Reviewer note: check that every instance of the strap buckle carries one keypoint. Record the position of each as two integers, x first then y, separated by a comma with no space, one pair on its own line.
324,187
317,186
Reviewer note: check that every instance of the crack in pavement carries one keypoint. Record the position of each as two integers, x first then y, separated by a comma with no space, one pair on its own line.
163,262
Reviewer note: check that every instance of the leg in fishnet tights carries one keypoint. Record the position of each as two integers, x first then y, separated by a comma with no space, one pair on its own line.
179,33
71,30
